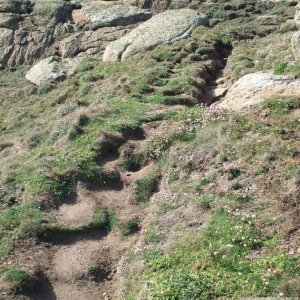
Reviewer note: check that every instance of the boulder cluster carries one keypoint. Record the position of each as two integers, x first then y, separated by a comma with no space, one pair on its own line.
60,29
28,29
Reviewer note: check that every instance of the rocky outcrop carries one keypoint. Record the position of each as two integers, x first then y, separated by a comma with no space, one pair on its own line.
91,42
102,23
252,89
176,24
28,29
98,14
296,36
52,69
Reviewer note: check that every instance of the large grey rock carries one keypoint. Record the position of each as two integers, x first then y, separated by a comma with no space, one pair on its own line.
102,13
165,27
91,42
252,89
52,69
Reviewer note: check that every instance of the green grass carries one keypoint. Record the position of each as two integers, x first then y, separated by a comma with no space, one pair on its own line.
216,264
44,89
233,172
203,182
104,219
206,201
19,222
285,68
61,172
130,227
261,170
132,161
280,106
16,276
84,66
153,238
146,187
239,198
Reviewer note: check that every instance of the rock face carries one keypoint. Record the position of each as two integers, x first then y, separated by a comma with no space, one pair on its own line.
91,42
176,24
252,89
52,69
103,14
102,23
296,36
27,29
30,28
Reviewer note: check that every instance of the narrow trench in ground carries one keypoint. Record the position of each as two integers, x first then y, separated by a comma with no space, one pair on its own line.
73,251
218,85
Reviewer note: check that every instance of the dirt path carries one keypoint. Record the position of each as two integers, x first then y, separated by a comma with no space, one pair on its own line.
77,255
79,212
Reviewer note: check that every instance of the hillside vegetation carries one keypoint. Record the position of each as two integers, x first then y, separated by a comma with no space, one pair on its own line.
127,181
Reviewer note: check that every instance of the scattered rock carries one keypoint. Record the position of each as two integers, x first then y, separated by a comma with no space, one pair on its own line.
252,89
177,24
52,69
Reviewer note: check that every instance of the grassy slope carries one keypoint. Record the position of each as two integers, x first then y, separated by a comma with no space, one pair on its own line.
242,180
53,136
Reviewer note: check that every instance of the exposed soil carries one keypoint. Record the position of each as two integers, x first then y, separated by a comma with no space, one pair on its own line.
72,261
76,254
78,213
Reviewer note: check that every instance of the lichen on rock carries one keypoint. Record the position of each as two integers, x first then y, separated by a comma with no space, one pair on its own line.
177,24
254,88
52,69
